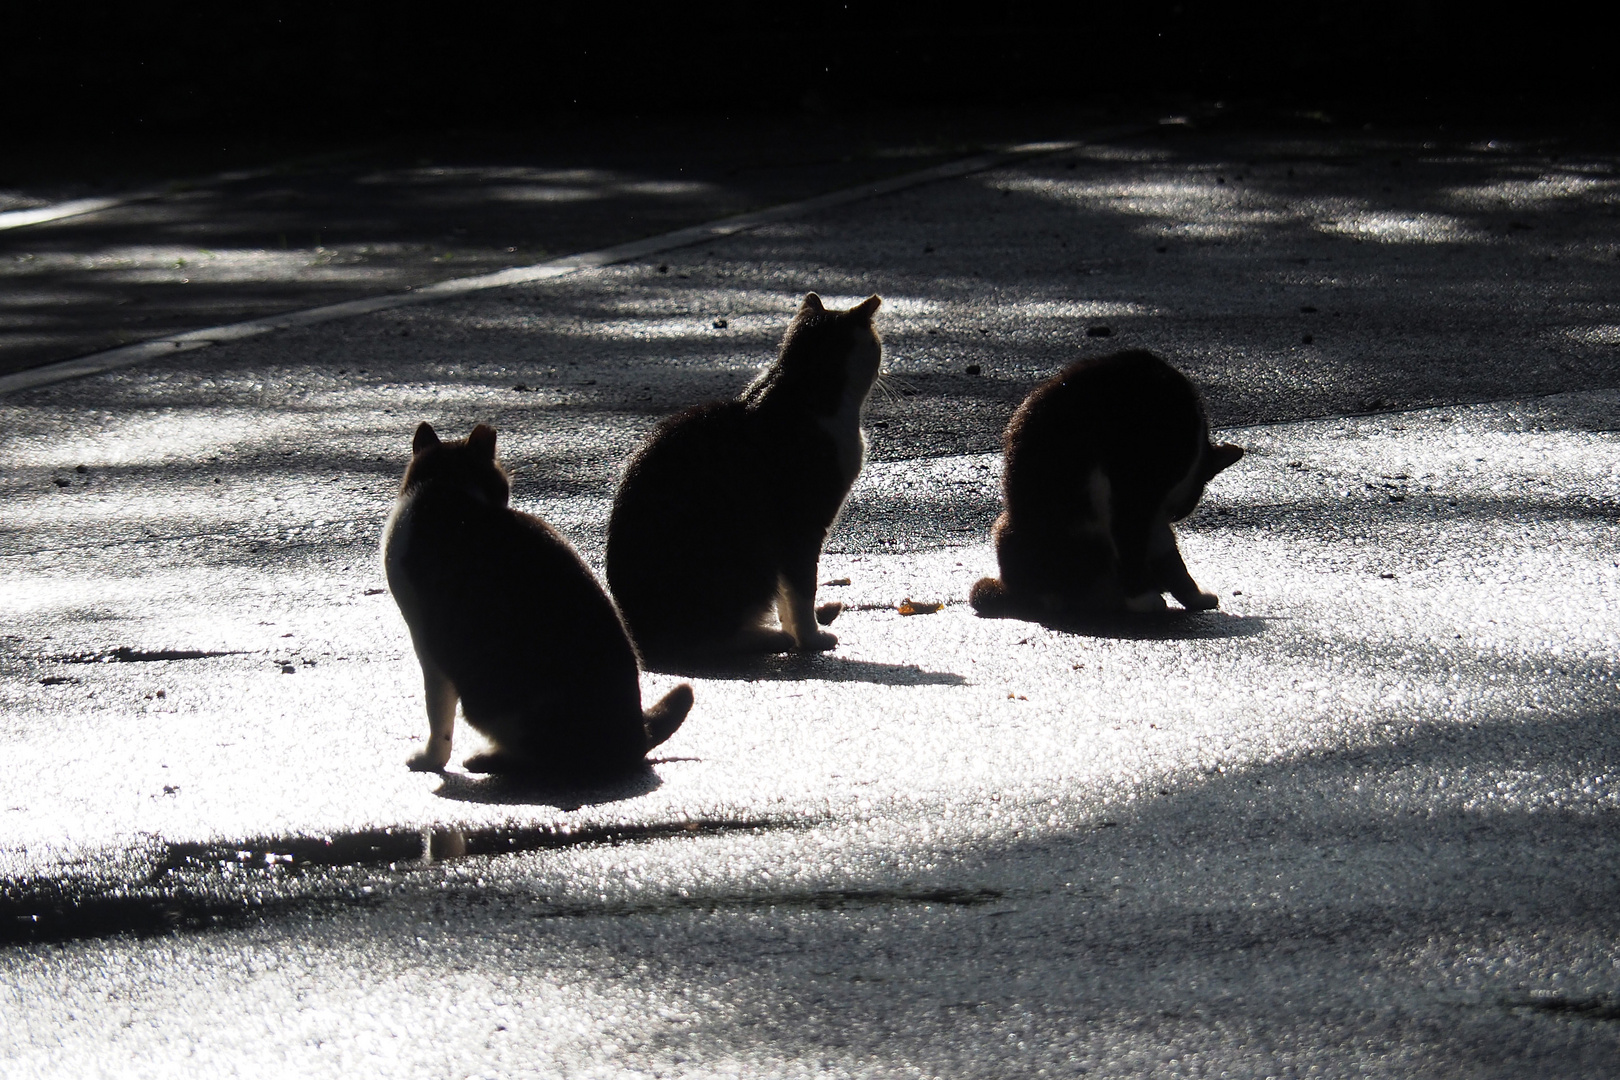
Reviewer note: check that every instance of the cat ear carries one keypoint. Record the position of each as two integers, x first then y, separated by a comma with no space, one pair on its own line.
1224,456
482,440
812,302
868,306
425,438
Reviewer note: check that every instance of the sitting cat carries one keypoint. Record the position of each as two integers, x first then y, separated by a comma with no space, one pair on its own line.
1100,459
505,616
722,513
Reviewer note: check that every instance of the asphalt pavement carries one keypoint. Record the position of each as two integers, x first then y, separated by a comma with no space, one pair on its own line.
286,226
1360,820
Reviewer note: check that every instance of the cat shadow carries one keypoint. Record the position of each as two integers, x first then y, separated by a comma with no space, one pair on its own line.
795,667
1172,625
513,789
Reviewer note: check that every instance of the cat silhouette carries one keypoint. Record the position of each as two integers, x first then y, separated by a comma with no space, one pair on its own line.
1100,459
722,513
507,618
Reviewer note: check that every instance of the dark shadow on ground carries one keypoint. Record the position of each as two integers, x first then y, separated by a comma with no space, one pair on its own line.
1172,625
234,882
823,667
519,790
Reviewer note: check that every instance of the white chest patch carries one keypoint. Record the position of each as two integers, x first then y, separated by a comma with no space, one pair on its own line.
396,534
1095,507
844,428
396,542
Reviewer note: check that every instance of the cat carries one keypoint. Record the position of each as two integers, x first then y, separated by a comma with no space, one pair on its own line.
1100,459
722,512
506,617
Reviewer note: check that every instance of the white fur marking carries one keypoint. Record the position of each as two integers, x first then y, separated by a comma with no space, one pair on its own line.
844,426
1097,507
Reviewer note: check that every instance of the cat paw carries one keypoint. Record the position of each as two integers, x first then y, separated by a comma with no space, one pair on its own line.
494,761
1146,603
1202,601
826,613
425,760
764,641
820,641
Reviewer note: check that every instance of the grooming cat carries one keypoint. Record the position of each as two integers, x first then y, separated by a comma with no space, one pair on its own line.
507,618
722,513
1100,460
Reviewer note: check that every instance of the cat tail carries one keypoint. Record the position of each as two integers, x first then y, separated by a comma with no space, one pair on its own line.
989,597
665,717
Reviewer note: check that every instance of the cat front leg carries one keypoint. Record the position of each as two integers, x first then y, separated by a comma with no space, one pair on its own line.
1170,572
796,608
441,711
1136,535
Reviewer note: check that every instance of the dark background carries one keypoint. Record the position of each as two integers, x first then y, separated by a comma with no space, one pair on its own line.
116,74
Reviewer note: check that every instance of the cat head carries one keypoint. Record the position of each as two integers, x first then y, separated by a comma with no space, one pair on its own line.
1215,458
826,354
468,463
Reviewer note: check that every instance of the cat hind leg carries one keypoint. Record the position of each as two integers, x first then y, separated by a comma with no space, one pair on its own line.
761,637
992,597
497,761
1146,603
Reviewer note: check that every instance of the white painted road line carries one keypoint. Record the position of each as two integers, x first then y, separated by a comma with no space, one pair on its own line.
125,355
16,219
44,215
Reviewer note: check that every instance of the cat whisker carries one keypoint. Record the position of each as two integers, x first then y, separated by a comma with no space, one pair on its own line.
893,387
